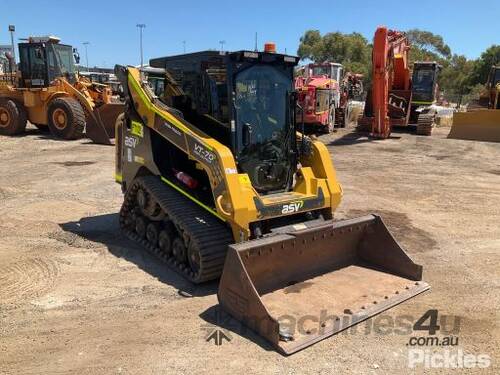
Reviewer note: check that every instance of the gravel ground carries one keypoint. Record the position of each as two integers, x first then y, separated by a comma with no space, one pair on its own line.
76,297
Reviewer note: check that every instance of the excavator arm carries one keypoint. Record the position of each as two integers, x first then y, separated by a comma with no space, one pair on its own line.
391,81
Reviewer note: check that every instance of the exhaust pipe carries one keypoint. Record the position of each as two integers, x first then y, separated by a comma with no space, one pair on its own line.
326,278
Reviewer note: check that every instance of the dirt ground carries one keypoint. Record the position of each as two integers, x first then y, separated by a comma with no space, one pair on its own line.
76,297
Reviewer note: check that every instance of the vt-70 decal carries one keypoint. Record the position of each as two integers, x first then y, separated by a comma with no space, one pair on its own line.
203,153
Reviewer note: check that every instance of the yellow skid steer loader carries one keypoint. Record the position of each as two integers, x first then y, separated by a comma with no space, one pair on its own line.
220,182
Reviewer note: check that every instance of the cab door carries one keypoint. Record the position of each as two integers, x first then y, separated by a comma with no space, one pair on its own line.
33,65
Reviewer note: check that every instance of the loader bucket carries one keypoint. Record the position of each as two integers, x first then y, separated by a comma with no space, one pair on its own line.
108,113
298,287
101,126
479,125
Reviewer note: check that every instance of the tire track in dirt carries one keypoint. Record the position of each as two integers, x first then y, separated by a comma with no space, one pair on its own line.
27,279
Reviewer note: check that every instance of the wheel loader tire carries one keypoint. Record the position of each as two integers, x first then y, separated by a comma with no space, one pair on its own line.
13,117
331,120
330,126
66,118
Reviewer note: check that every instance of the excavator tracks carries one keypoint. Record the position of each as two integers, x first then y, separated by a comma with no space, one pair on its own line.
425,124
364,124
340,118
186,237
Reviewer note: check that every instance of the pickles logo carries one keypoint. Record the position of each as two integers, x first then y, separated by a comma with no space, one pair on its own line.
290,208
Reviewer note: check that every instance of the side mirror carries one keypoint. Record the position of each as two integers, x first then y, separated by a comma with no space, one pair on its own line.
247,134
76,55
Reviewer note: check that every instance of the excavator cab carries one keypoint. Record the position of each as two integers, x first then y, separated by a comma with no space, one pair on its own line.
43,59
333,71
424,82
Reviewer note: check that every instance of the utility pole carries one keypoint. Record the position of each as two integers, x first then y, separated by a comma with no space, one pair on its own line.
86,55
256,48
141,26
222,42
12,28
184,46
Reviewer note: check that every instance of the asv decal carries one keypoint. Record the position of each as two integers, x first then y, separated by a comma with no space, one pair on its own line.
131,142
203,153
290,208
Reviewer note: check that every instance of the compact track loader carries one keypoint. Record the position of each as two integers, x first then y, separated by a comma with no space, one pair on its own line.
218,182
48,92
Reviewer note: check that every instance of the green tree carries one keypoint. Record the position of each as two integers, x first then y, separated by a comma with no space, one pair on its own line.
427,44
351,50
455,76
310,42
483,65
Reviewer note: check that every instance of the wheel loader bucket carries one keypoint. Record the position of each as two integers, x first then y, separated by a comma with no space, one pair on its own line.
479,125
298,287
101,126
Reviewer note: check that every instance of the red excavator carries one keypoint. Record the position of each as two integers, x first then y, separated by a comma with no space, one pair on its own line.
393,100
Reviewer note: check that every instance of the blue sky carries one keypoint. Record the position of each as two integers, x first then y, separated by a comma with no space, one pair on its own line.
469,27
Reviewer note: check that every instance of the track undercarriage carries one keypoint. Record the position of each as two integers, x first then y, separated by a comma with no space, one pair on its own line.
186,237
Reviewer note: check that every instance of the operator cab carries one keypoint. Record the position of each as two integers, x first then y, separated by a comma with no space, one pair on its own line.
333,71
424,82
43,59
245,100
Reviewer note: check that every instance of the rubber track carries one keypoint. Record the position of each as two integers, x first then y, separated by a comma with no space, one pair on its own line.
211,235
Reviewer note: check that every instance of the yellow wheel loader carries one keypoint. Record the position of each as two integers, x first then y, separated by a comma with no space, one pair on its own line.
220,182
482,120
49,93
